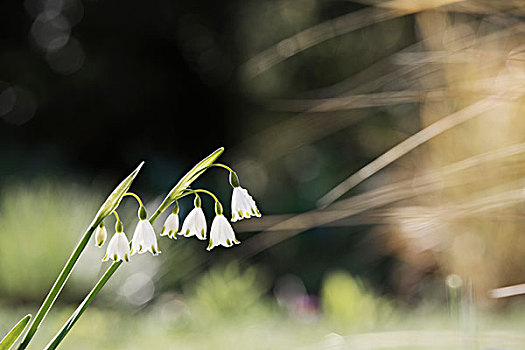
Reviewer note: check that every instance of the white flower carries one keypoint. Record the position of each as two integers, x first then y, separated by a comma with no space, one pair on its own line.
144,239
171,226
221,233
118,248
243,205
194,224
100,235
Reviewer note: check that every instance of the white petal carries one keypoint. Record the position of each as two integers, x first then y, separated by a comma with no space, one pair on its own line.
200,224
118,248
243,205
171,226
100,235
111,251
150,239
137,241
189,224
144,239
251,206
194,224
122,246
221,233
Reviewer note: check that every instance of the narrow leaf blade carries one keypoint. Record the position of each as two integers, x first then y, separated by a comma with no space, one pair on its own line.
115,197
190,176
187,179
13,335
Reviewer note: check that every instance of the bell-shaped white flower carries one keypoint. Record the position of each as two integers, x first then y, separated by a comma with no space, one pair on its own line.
243,205
194,224
221,233
100,235
118,248
144,239
171,226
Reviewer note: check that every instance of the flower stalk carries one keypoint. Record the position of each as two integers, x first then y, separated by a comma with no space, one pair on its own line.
144,238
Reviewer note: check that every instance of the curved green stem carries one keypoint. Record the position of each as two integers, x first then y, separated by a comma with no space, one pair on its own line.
212,165
134,196
204,191
116,215
161,208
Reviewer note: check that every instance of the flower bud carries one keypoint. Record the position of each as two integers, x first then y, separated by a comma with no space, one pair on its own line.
197,202
176,208
234,179
100,235
218,208
119,227
142,213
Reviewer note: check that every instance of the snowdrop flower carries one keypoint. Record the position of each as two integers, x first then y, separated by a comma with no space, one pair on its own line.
221,232
243,205
195,222
144,238
100,235
171,226
118,247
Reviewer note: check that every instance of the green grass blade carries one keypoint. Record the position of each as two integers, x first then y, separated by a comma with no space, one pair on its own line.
106,209
14,333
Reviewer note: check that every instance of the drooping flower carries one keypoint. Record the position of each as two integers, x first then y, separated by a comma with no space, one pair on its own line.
221,233
100,235
144,239
118,248
243,205
194,224
171,226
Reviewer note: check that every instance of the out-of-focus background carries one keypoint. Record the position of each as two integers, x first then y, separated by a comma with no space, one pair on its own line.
383,141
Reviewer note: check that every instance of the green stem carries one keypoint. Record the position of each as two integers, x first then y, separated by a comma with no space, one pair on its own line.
204,191
212,165
89,298
57,287
163,207
134,196
83,306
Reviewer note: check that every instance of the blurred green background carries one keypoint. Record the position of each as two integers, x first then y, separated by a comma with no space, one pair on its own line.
302,94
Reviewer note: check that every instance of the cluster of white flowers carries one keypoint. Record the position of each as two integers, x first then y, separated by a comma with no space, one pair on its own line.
144,238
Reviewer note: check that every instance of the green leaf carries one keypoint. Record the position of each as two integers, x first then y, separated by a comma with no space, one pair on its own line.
13,335
115,197
187,179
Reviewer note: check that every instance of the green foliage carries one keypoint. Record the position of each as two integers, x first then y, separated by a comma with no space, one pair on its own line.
39,224
227,291
348,304
14,333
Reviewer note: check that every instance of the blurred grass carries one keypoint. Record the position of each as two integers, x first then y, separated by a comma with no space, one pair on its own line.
227,308
39,225
346,301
